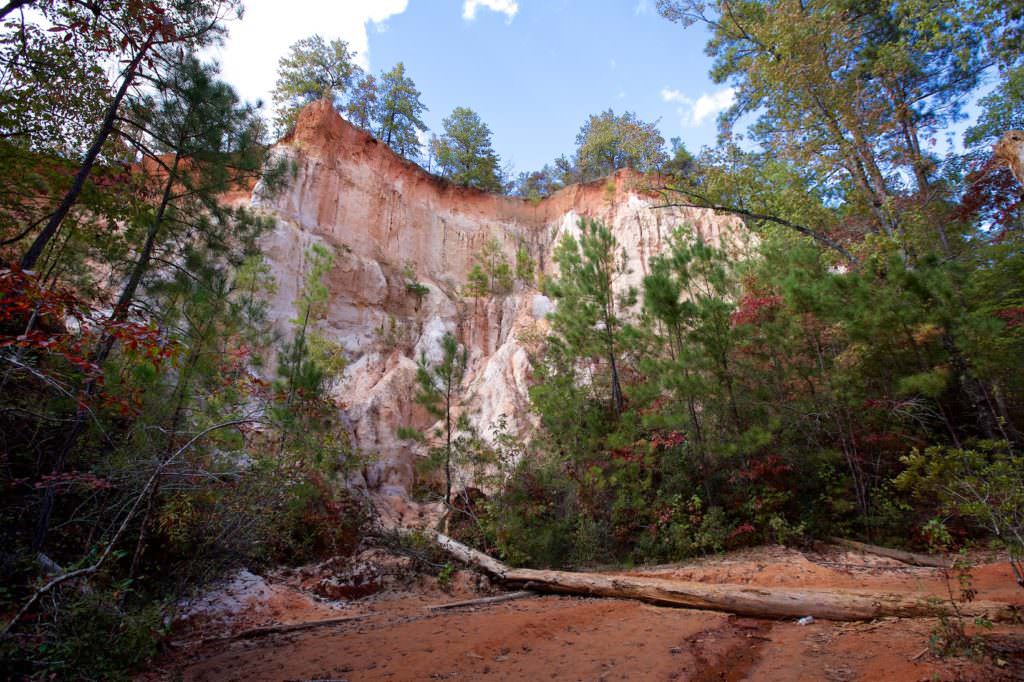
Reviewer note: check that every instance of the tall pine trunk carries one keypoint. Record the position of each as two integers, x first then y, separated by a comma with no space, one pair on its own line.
34,251
100,355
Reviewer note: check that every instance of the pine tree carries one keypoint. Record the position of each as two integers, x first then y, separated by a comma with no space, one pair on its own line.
690,292
134,32
464,153
312,69
588,315
398,112
298,370
491,271
438,393
362,104
477,282
200,141
525,270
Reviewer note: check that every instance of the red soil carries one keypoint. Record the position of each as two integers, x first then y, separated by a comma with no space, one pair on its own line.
566,638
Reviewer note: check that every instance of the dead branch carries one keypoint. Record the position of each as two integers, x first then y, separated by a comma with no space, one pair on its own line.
508,596
89,570
253,633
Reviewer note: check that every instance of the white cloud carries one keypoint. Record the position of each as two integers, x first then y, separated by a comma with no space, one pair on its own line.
674,96
249,56
507,7
612,64
710,105
423,137
693,113
642,7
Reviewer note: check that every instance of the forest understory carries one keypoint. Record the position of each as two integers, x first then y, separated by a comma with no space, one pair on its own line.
659,392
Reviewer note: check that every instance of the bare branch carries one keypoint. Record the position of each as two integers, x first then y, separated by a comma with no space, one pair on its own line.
89,570
817,236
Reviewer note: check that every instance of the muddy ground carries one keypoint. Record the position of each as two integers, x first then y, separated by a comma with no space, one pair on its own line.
570,638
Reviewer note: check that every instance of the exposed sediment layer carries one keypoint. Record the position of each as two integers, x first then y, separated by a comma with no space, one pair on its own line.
390,222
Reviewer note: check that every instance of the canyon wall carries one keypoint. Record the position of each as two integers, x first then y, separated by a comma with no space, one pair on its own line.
390,223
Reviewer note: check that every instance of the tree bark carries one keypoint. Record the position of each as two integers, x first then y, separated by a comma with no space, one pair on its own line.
14,5
28,261
484,601
703,202
900,555
744,600
758,602
100,355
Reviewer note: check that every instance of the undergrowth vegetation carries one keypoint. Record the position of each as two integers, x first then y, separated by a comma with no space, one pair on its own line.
844,357
143,451
851,363
770,399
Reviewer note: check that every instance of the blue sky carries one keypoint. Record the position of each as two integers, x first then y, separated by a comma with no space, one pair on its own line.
533,69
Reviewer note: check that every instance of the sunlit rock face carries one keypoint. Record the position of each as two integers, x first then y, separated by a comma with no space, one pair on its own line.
1010,150
390,223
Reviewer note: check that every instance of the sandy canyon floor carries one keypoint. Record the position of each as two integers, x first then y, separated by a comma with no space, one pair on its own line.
397,637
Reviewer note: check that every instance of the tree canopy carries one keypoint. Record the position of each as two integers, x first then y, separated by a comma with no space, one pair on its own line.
312,69
387,106
854,96
464,154
843,357
398,112
132,324
608,142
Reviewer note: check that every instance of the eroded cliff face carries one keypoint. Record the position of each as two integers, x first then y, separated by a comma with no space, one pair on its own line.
1010,150
389,222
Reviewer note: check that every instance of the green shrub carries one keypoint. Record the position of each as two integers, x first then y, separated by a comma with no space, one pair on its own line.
983,484
444,577
532,520
98,635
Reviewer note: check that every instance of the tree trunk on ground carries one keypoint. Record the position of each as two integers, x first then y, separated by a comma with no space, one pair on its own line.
757,602
744,600
911,558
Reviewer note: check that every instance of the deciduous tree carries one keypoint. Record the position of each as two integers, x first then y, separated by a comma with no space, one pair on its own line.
608,142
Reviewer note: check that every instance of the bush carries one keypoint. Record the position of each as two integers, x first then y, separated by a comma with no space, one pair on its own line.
100,635
264,516
983,484
532,520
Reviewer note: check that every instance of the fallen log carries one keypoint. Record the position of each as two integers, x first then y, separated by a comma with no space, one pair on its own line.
263,631
744,600
253,633
468,555
508,596
759,602
912,558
